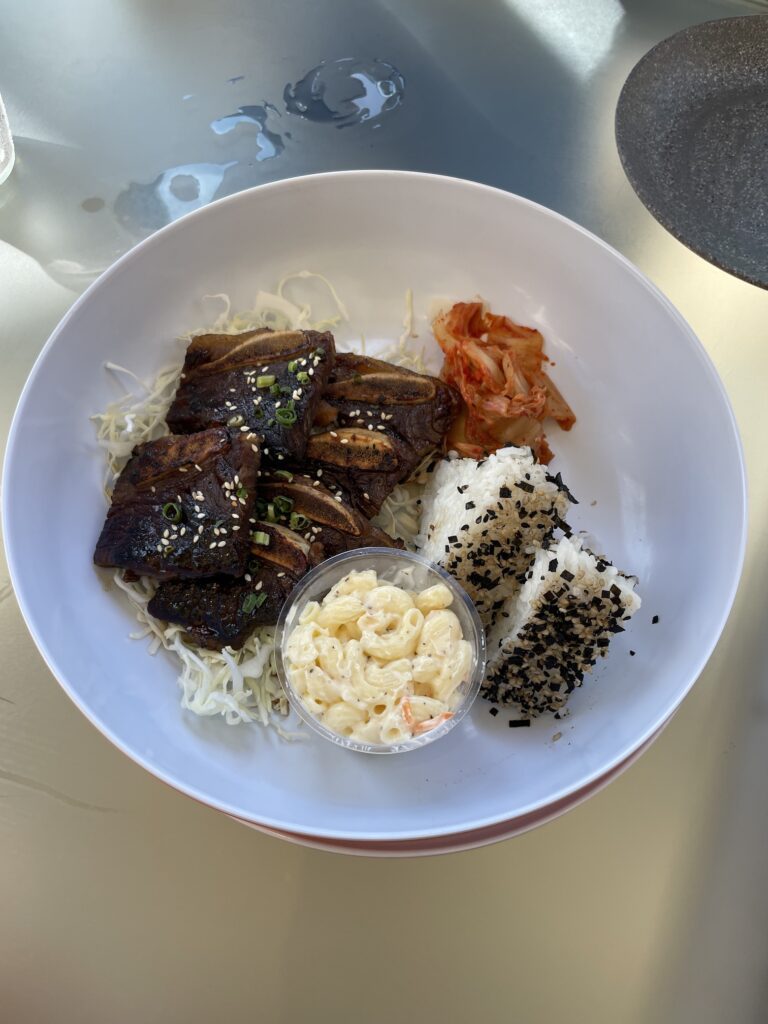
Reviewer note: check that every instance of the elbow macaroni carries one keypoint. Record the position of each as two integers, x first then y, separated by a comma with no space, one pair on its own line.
376,663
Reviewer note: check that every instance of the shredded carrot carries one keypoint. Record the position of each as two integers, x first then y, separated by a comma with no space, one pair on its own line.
405,706
498,368
431,723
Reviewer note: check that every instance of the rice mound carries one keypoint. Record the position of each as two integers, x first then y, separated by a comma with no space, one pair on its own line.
546,638
487,519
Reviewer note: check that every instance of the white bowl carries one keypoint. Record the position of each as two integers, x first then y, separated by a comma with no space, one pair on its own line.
655,446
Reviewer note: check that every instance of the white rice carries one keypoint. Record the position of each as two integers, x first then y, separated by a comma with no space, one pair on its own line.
547,637
484,521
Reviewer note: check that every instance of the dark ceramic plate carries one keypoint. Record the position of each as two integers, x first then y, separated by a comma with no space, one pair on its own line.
692,133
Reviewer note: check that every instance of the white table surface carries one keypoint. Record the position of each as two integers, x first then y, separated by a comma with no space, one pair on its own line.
121,900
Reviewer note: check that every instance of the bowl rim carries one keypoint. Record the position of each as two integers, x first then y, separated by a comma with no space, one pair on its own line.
477,640
300,182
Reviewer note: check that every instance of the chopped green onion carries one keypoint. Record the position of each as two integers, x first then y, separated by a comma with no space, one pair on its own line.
292,366
283,505
286,417
235,421
265,380
271,517
260,537
261,507
253,601
275,389
258,412
253,565
271,422
241,492
284,475
303,377
298,521
319,353
172,512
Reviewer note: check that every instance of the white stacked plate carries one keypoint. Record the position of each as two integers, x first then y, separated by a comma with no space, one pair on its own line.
654,458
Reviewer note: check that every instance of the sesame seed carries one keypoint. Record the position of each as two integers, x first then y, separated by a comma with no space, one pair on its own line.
233,391
222,543
334,434
247,577
245,429
216,531
196,538
315,483
166,533
254,449
259,585
212,546
310,371
345,440
201,515
379,427
338,497
280,575
235,515
264,369
366,495
183,530
159,547
235,528
236,478
370,426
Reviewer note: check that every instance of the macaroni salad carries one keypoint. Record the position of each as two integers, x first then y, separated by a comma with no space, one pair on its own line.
377,663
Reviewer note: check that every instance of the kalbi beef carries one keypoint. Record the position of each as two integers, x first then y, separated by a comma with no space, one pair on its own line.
387,418
269,382
223,612
319,517
180,507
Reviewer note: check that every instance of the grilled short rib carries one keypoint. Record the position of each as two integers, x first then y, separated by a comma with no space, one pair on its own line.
180,507
261,381
387,420
221,612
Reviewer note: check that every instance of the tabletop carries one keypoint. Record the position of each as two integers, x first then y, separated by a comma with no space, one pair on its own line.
121,900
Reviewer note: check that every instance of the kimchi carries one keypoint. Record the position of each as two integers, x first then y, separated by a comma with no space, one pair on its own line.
498,367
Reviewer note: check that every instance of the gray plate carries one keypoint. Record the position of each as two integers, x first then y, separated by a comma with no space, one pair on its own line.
692,133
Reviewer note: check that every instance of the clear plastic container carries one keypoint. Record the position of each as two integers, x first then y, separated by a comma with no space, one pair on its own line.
404,569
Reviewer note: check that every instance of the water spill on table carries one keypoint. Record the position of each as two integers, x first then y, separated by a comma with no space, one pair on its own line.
173,193
245,118
346,92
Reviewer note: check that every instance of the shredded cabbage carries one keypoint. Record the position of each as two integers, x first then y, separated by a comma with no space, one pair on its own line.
242,686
